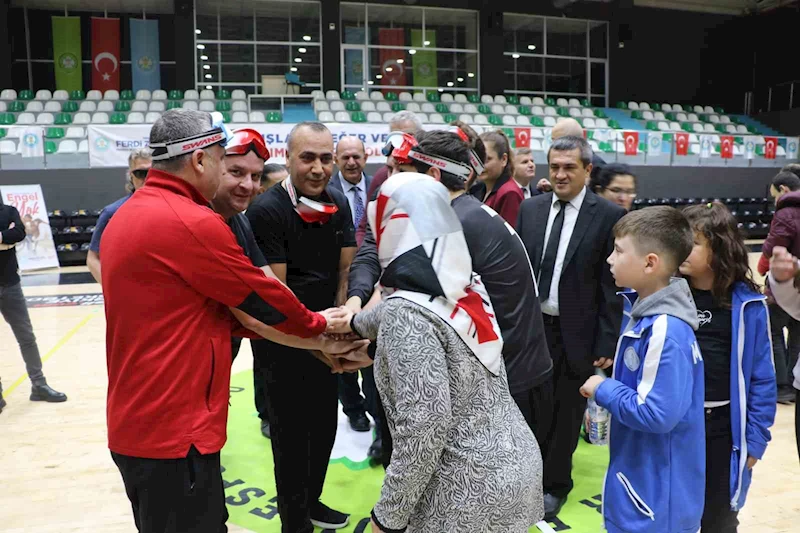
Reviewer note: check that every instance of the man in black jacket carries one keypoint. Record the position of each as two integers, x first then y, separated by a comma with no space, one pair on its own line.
15,310
568,236
499,257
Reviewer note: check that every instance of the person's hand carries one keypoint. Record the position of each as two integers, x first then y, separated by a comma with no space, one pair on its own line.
783,265
544,185
338,319
354,304
604,362
751,462
588,389
340,346
356,359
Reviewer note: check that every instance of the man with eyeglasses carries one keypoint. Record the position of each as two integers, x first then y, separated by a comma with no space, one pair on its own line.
139,163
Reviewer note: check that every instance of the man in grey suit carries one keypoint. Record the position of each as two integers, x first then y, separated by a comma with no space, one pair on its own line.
351,158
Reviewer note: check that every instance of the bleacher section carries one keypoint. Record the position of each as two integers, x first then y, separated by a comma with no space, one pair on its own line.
72,233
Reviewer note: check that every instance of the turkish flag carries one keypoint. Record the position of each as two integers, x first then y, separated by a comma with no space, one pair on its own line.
681,144
726,147
522,137
105,54
770,147
394,72
631,142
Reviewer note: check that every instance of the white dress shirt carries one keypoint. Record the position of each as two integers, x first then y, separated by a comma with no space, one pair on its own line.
550,307
350,193
526,189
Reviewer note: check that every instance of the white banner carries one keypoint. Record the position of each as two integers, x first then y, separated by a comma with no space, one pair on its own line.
705,146
38,249
31,142
109,146
749,147
654,142
791,147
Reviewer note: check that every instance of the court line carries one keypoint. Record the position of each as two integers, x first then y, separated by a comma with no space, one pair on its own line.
71,333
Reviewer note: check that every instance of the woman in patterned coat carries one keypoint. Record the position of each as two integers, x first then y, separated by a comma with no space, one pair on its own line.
464,460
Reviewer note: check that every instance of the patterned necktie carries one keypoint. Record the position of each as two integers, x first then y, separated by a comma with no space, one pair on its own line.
359,206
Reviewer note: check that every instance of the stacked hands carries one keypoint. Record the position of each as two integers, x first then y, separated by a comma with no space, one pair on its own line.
340,348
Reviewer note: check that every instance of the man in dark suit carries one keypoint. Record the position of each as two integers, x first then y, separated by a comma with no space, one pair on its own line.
351,158
568,237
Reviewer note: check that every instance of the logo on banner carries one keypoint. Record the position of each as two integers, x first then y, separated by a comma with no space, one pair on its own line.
791,148
145,63
682,144
749,149
68,61
631,142
655,143
30,140
770,147
726,147
522,137
100,57
705,147
102,144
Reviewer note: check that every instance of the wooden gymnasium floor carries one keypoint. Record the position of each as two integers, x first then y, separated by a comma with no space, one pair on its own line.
56,475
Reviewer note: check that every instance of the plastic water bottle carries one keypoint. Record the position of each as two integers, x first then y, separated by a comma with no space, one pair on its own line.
598,422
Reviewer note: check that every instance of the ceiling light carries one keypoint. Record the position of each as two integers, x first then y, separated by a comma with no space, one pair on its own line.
370,82
379,77
460,79
298,60
301,50
449,83
515,56
388,69
201,47
471,75
208,76
401,61
204,58
412,51
531,47
441,90
427,43
306,37
198,32
293,69
207,67
208,86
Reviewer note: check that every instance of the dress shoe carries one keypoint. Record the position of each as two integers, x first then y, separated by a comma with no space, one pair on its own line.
265,429
324,517
359,422
552,506
43,393
375,452
786,395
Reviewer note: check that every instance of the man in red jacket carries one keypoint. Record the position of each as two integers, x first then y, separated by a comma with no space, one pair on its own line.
172,269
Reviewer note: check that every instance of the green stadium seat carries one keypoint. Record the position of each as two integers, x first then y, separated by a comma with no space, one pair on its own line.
586,103
274,116
513,100
524,110
433,97
71,107
671,116
473,98
175,94
118,118
398,106
686,126
352,106
563,112
736,120
223,107
652,126
49,147
391,97
16,107
484,109
7,119
347,95
223,94
599,113
719,110
614,125
720,128
760,150
638,115
442,108
122,106
358,116
63,119
174,104
550,101
753,130
26,94
590,134
226,117
77,95
655,107
2,132
449,117
606,147
54,133
537,121
622,105
127,94
738,140
494,120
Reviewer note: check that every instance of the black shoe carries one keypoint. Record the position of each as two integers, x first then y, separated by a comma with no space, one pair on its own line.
786,395
43,393
326,518
2,402
265,429
359,422
375,452
552,506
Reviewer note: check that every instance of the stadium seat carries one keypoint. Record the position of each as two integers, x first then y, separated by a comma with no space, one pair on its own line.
472,109
238,94
35,107
387,117
423,117
362,95
714,119
549,121
358,116
574,112
522,120
376,96
550,111
352,105
100,118
176,94
94,95
191,94
708,128
122,106
450,117
127,94
206,94
43,95
461,98
26,118
82,118
647,115
473,98
206,105
75,133
574,102
496,109
135,118
442,108
692,117
414,107
666,107
226,117
644,106
3,132
398,106
418,97
111,94
508,120
49,147
239,105
367,106
67,147
374,117
633,106
139,106
16,106
525,100
83,147
537,121
117,118
562,102
586,112
697,128
45,118
500,99
588,123
8,94
105,106
157,106
8,147
4,108
176,104
465,118
725,119
221,106
152,117
524,110
599,113
481,120
69,107
54,133
159,95
447,98
404,97
392,97
681,117
708,109
346,95
486,99
550,101
63,119
321,105
741,129
662,126
336,105
562,112
274,116
88,106
659,115
189,104
697,109
240,116
341,116
143,94
25,94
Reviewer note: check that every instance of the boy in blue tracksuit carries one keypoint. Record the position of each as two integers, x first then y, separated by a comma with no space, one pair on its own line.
656,475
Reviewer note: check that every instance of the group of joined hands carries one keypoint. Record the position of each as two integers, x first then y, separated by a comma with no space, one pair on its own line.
341,348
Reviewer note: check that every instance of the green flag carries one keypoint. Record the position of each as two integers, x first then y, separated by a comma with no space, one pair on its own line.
67,53
424,62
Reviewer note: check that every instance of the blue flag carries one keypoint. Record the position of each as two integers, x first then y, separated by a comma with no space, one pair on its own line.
145,59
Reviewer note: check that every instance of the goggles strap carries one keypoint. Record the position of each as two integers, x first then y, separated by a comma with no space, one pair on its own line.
442,163
178,147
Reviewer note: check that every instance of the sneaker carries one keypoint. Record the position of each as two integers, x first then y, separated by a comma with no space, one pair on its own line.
326,518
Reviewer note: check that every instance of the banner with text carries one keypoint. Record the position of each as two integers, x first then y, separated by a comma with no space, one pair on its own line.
109,146
37,250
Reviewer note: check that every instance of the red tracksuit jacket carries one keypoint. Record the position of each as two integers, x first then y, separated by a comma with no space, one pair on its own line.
171,269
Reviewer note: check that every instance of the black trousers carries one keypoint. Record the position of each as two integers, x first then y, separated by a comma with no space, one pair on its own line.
259,396
568,409
536,405
797,422
785,352
718,516
350,394
302,405
175,495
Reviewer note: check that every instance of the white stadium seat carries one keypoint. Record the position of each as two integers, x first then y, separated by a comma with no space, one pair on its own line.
383,107
562,102
205,105
574,112
405,97
677,107
75,133
321,105
465,118
414,107
238,94
419,97
88,106
481,120
159,95
601,123
144,94
461,98
8,94
83,147
376,96
714,119
374,117
152,117
724,119
191,94
574,102
511,109
647,115
697,109
205,94
588,123
730,128
257,116
94,95
537,110
325,116
550,112
666,108
317,94
447,98
361,96
239,105
67,147
549,122
741,129
387,117
472,109
239,116
708,109
692,117
140,106
8,147
367,106
423,117
3,107
342,116
105,106
497,109
538,100
522,120
100,118
644,106
428,108
697,128
663,126
26,118
157,106
633,106
436,118
191,104
681,117
45,118
501,99
486,99
336,105
586,112
61,95
136,118
524,100
111,94
332,95
43,95
509,120
674,126
708,128
35,107
658,115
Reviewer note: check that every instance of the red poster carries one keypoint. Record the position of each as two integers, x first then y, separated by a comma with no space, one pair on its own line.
726,147
522,137
394,72
681,144
631,142
770,147
105,53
